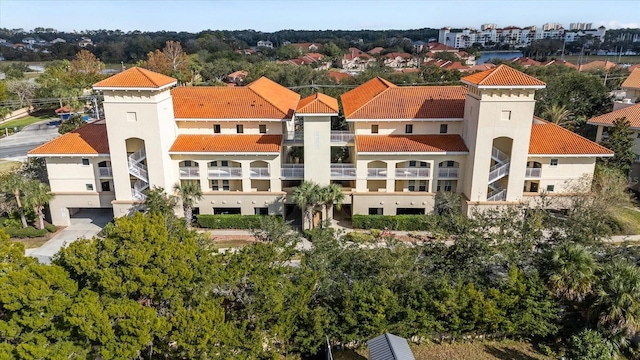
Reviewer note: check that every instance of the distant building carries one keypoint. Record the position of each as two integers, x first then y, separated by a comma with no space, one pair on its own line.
265,43
84,42
580,26
551,26
58,40
488,27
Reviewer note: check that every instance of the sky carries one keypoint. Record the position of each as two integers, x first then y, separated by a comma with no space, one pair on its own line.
269,16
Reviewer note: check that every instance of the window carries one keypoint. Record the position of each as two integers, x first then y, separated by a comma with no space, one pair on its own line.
423,164
220,185
216,128
225,185
450,163
105,186
263,129
412,163
261,211
444,128
408,129
217,163
374,129
638,134
553,162
505,115
375,211
239,129
85,162
89,187
187,163
226,211
224,163
214,185
422,185
131,116
550,188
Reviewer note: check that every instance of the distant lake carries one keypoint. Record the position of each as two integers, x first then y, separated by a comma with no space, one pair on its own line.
488,55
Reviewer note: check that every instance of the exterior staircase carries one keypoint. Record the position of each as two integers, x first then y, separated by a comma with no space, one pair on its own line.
497,172
138,170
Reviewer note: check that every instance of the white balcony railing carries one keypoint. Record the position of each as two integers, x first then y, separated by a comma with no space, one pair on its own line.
376,172
259,173
292,171
293,136
105,172
342,136
189,172
533,173
224,172
343,171
448,173
412,173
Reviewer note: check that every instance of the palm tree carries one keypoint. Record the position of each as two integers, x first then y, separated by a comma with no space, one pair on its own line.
617,304
330,195
189,192
558,114
13,184
4,112
37,196
159,202
572,272
307,197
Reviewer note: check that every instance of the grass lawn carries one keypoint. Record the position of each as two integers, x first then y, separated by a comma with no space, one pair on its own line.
32,242
585,59
28,120
463,351
630,220
6,166
220,244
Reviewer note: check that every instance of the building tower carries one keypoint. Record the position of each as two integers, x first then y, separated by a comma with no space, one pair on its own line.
497,129
141,129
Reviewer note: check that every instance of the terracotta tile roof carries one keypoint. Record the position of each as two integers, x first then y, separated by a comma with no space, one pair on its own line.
410,143
633,67
633,81
551,139
238,74
380,99
262,99
90,139
559,62
595,65
502,75
339,76
436,46
480,67
525,61
227,143
318,104
136,77
393,55
632,113
376,50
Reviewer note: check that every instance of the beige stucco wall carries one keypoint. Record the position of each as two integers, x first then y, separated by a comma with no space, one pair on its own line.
61,203
67,174
228,127
572,174
390,202
317,149
362,127
247,202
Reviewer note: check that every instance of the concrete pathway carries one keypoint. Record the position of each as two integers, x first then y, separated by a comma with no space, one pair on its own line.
18,144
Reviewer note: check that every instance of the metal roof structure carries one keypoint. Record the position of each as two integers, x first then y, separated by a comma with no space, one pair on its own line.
389,347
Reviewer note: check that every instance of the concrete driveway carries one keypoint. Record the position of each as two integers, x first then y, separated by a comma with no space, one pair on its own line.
18,144
85,224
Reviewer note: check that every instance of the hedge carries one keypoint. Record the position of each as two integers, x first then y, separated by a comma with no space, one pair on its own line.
231,221
51,228
395,222
28,232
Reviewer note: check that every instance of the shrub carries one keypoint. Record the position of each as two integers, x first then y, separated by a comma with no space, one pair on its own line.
51,228
395,222
28,232
12,223
588,345
360,237
230,221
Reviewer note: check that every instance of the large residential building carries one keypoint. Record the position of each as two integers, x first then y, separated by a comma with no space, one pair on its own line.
248,146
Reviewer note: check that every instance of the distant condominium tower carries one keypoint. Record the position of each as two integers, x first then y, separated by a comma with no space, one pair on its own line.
580,26
551,26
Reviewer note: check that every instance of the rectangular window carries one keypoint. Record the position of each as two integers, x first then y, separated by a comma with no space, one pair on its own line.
412,163
225,185
553,162
263,129
216,128
85,162
214,185
447,185
89,187
224,163
261,211
450,163
444,128
639,135
408,129
187,163
412,185
374,129
423,164
375,211
239,129
105,186
505,115
422,185
550,188
131,116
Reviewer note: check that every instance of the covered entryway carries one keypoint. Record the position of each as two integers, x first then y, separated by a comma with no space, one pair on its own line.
98,217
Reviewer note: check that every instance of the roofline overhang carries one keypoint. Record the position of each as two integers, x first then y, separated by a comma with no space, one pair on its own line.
68,155
570,155
135,88
231,119
608,124
221,153
416,119
317,114
378,153
506,87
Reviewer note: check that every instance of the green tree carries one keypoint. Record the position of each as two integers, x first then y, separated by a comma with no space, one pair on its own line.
307,197
14,184
617,303
621,142
558,114
330,195
4,112
4,92
72,123
159,202
288,52
588,345
189,192
37,196
572,272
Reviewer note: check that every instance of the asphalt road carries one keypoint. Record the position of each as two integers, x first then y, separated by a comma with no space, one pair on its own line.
17,145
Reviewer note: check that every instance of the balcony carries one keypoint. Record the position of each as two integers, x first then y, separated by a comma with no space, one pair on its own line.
259,173
189,172
448,173
533,173
105,172
224,172
342,137
412,173
292,171
376,173
343,171
293,136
